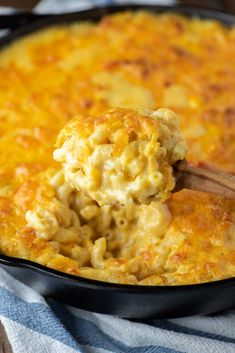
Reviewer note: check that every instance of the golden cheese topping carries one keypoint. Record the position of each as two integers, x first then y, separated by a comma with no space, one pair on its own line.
122,157
132,61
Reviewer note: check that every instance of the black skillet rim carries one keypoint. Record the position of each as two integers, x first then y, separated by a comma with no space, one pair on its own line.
29,22
37,22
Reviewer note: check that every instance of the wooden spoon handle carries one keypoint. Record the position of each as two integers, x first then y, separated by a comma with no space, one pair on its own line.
206,180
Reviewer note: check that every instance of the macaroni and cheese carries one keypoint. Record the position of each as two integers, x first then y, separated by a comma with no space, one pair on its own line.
130,60
121,157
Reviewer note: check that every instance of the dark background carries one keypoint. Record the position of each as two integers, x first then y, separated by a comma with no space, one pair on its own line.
224,5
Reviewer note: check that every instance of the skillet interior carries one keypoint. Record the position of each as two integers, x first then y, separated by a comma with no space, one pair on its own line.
129,301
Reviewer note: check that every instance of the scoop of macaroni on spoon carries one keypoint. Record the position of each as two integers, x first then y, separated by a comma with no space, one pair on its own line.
130,156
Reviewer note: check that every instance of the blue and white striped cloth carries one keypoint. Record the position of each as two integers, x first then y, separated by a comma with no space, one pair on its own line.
30,323
37,325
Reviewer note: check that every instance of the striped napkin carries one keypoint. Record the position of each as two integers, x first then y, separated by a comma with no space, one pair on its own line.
30,323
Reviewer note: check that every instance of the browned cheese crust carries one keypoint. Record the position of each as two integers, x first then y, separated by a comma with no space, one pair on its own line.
127,60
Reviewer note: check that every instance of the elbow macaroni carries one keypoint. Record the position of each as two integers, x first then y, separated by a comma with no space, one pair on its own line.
122,157
96,237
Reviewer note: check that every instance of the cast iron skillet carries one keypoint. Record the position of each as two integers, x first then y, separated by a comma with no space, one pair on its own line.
129,301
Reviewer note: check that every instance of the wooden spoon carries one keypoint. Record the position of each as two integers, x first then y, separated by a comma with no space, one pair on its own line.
206,180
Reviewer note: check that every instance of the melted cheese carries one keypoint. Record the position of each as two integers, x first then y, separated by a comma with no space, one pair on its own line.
50,76
122,157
